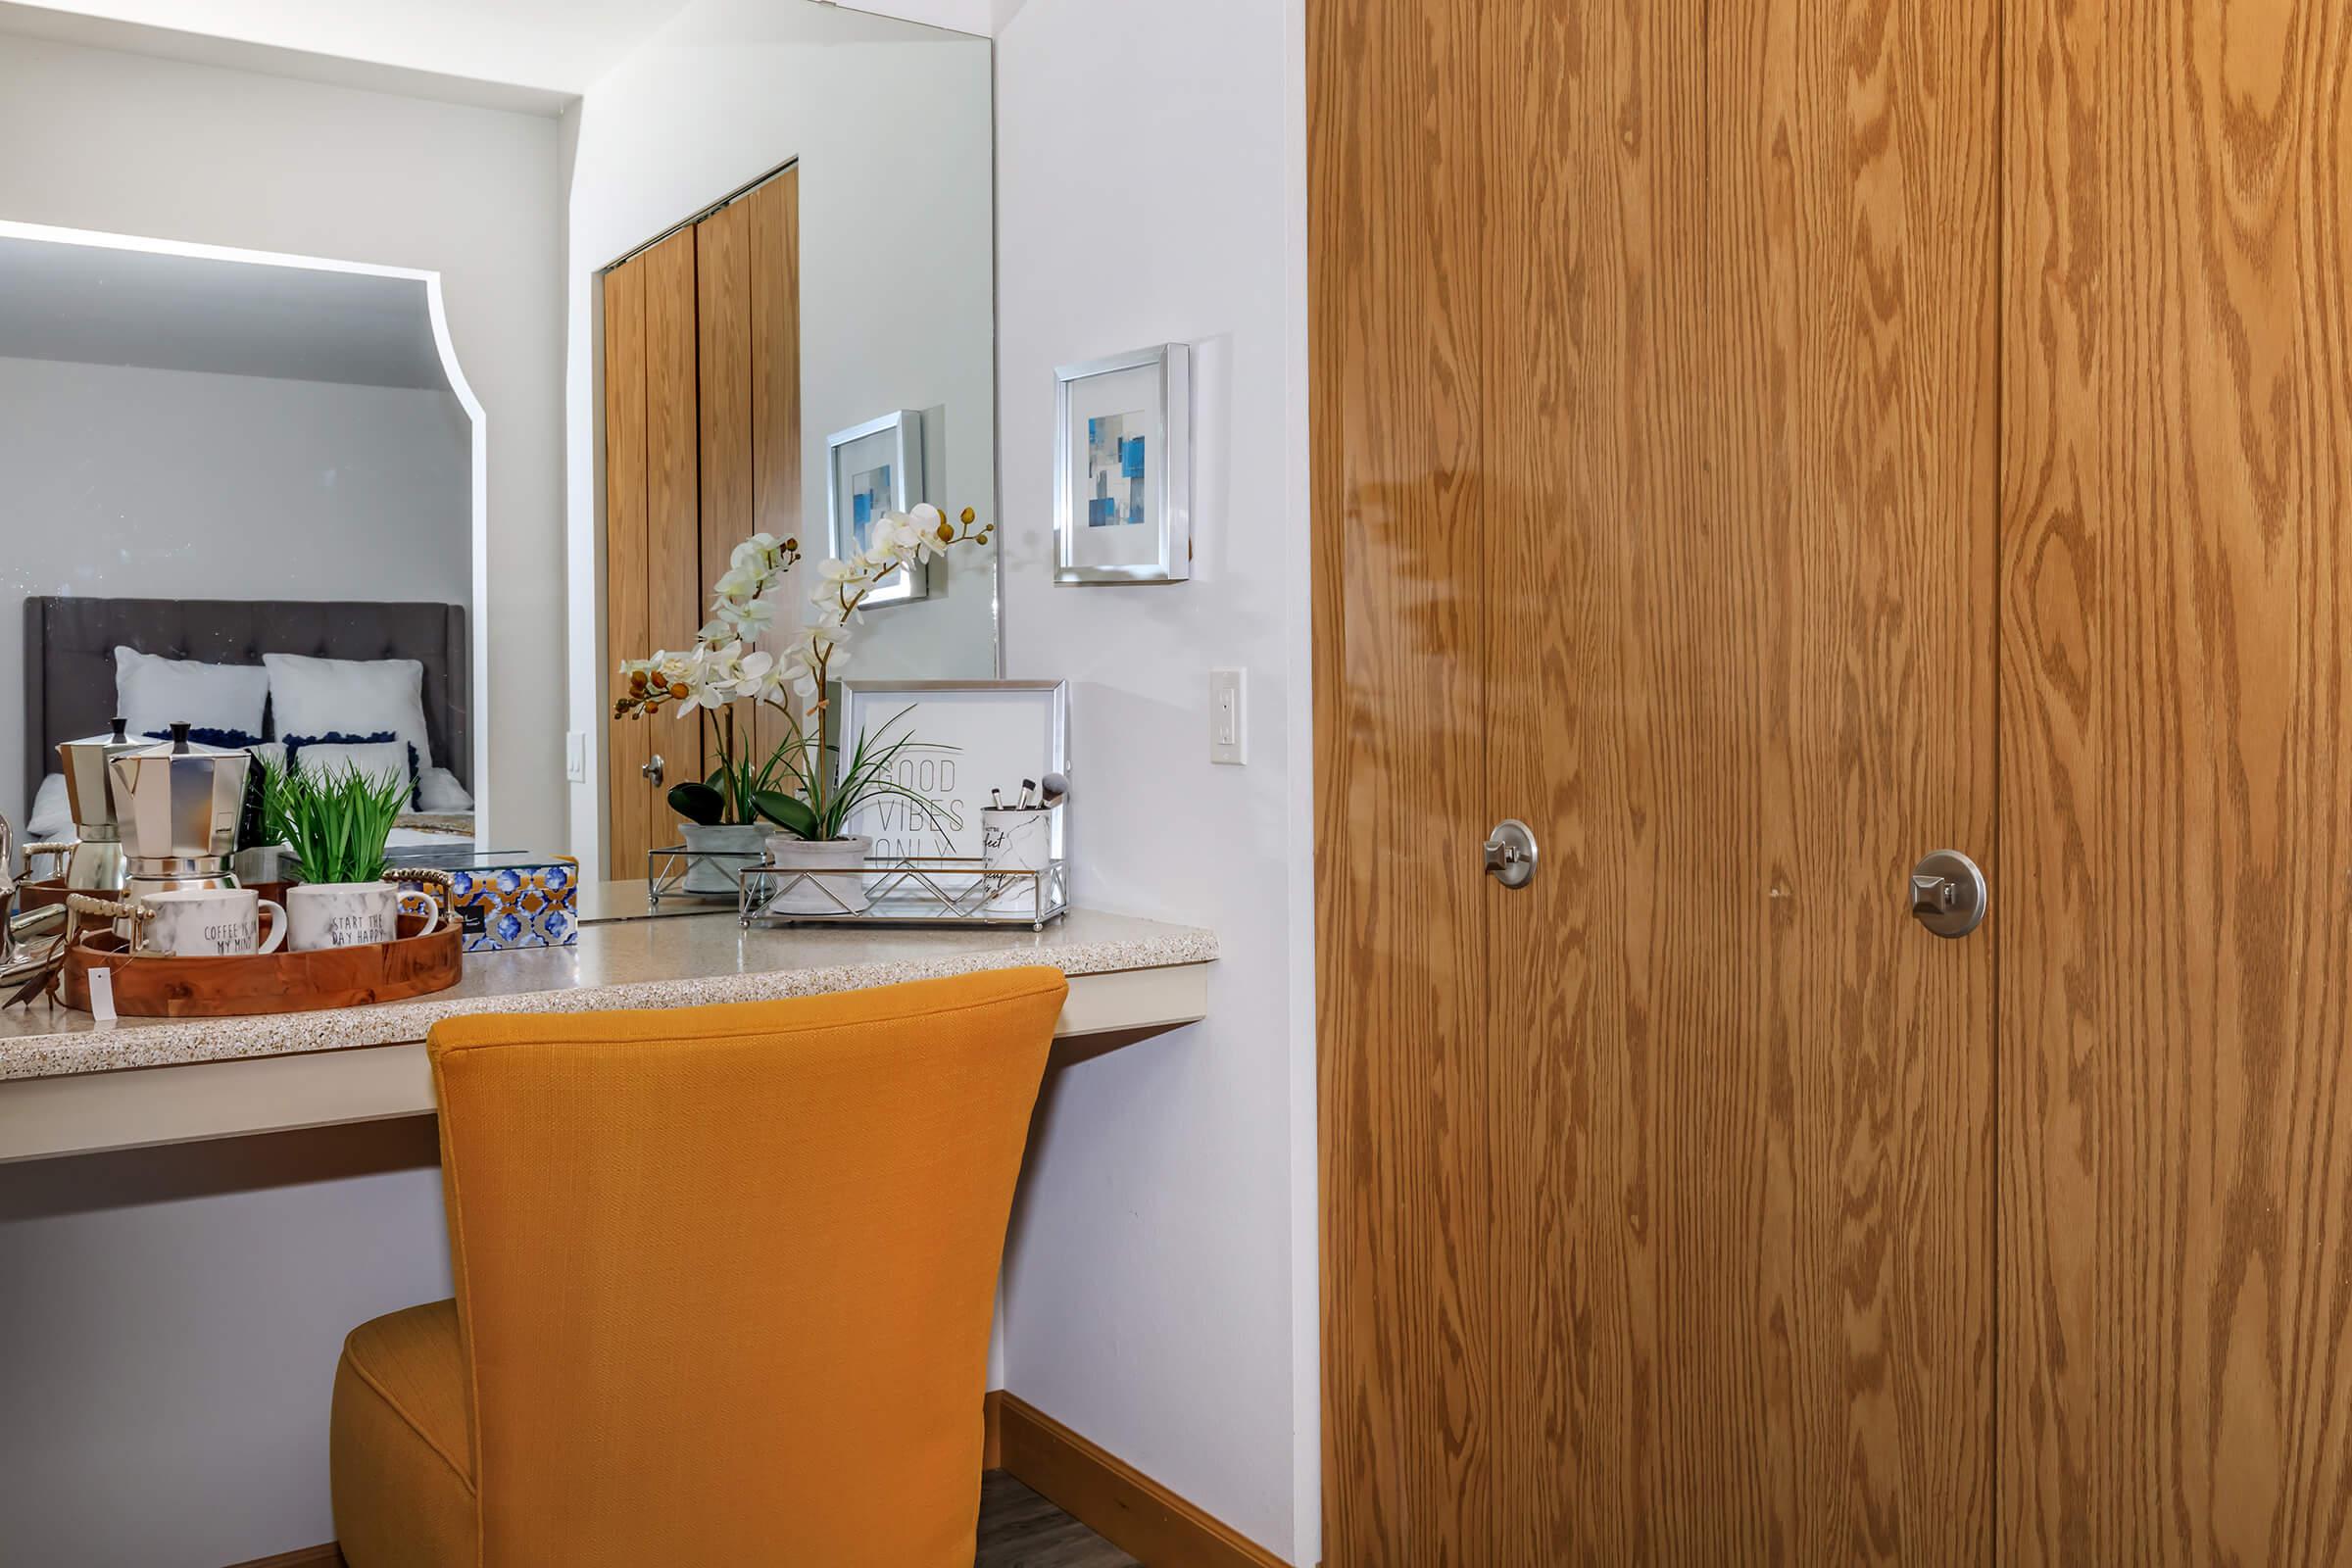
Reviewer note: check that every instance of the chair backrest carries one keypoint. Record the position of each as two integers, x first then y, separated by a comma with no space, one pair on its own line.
725,1274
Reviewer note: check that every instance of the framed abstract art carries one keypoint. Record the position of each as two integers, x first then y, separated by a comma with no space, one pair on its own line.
873,469
1123,469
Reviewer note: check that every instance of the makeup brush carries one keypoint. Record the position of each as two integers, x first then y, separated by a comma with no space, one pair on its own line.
1028,789
1056,789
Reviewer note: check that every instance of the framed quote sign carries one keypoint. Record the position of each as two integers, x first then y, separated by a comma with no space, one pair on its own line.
971,737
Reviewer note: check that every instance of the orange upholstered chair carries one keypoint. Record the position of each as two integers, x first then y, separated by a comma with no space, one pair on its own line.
724,1279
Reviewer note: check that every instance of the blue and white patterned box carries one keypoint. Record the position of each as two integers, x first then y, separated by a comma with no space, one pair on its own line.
506,907
507,899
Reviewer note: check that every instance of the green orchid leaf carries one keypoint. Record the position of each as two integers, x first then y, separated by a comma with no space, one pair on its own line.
787,811
698,802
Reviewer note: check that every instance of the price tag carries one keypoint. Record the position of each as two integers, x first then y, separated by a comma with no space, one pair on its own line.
102,995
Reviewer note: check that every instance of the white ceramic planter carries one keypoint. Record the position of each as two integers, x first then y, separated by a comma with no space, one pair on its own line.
818,895
741,842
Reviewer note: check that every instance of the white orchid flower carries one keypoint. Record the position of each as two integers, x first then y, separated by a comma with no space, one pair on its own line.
755,555
738,583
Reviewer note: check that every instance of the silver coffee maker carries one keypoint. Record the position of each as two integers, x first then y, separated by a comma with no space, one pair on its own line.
96,863
177,807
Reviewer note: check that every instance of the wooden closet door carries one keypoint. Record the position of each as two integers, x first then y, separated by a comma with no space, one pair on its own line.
1655,476
2175,1007
628,628
653,555
772,214
749,276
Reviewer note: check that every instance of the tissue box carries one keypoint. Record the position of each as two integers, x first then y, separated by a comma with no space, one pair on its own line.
507,900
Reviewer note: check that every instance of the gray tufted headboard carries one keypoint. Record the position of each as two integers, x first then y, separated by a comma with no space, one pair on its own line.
69,658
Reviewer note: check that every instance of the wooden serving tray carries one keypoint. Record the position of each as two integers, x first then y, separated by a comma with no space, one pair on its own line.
53,890
148,985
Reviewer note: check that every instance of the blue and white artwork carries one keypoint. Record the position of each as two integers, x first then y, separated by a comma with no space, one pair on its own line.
1114,461
870,499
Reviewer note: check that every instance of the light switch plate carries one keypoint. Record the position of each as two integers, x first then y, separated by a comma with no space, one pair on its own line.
1229,716
575,756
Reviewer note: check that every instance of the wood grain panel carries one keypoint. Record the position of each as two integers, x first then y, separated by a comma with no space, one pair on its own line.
1400,542
1595,284
723,284
773,211
628,629
722,280
2176,1321
1678,1248
1847,534
675,585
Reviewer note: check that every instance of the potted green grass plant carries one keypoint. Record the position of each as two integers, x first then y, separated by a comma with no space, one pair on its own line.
337,823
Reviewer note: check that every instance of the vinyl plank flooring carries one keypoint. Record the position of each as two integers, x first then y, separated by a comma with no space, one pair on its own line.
1019,1528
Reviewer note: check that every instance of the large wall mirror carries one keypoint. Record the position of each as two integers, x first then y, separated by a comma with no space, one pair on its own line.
231,474
803,347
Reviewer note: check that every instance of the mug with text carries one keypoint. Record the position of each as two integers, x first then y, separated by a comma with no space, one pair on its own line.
352,914
210,923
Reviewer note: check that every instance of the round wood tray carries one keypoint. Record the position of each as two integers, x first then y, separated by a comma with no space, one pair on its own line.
149,986
41,894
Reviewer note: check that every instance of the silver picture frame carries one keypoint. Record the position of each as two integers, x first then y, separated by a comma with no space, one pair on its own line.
1164,374
900,436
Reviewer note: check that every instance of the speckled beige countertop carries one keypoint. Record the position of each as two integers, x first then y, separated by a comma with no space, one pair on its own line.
623,964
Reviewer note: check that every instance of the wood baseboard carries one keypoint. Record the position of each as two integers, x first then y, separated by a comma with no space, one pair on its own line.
1099,1489
1110,1497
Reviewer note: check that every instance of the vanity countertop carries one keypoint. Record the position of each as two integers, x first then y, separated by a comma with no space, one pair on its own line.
620,963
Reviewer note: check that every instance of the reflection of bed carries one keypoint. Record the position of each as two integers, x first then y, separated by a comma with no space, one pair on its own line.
69,658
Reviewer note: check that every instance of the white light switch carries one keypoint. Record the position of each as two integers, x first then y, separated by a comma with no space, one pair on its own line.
1229,716
576,757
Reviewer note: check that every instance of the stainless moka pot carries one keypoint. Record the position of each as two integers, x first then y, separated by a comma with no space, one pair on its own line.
96,864
177,807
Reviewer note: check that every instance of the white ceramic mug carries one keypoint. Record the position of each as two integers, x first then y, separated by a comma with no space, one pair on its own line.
351,914
210,923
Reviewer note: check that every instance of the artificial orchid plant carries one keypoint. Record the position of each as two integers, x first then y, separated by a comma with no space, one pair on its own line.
724,667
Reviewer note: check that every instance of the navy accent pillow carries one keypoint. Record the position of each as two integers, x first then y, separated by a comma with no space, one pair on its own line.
223,740
295,743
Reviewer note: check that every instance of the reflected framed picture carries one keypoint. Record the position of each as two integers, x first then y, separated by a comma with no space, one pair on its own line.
872,469
1124,468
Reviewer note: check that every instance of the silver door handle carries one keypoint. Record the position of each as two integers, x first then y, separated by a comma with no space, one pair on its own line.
1512,854
653,769
1948,893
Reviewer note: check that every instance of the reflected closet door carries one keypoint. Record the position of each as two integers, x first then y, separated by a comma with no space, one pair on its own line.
702,372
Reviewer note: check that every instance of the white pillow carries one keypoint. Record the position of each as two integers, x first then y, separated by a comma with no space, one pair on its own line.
52,818
325,760
153,693
269,754
349,696
441,791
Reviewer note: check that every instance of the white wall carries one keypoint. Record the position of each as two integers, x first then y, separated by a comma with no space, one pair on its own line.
132,145
136,483
167,1348
890,122
168,1325
1161,1295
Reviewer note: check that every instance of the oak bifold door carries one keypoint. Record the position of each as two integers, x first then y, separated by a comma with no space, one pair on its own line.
702,409
1757,446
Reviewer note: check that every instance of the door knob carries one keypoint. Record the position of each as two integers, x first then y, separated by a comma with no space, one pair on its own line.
653,769
1512,854
1949,895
